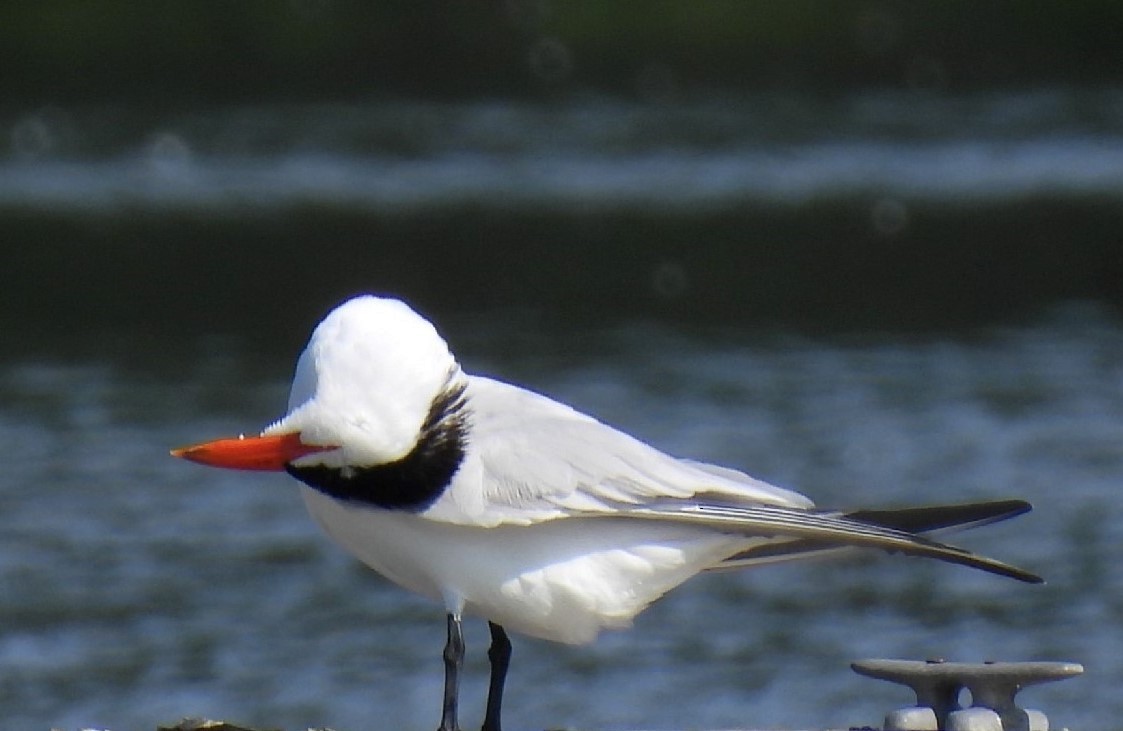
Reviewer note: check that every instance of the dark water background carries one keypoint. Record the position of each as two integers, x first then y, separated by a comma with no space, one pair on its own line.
137,588
885,269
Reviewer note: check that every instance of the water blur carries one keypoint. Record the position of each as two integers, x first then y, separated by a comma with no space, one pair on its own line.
877,299
139,588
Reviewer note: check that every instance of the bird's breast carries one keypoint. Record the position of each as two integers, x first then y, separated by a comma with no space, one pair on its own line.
560,580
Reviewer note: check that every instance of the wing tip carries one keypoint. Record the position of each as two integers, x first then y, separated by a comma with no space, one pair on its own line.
933,518
1013,572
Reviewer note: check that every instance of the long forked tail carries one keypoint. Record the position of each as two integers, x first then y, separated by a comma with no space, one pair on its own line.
935,518
803,533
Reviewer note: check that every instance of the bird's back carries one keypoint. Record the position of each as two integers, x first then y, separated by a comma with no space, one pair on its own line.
530,458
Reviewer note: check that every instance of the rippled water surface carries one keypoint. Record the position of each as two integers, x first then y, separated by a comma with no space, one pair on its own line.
137,588
876,298
587,154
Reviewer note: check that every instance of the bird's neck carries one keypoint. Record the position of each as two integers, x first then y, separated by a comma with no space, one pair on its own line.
413,482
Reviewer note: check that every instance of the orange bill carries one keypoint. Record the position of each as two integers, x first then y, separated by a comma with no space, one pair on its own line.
264,453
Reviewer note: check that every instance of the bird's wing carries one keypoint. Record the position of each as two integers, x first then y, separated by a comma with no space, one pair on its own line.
530,458
802,531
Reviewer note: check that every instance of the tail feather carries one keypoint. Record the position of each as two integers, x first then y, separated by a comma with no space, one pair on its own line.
800,533
940,517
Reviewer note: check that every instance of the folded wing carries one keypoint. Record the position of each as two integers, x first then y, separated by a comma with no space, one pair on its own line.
800,532
532,459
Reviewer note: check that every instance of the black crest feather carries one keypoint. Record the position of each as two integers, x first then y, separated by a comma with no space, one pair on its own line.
413,482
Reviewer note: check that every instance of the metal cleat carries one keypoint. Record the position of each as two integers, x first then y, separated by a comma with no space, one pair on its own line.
993,686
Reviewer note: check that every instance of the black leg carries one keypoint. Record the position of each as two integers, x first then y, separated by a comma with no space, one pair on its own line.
454,660
500,656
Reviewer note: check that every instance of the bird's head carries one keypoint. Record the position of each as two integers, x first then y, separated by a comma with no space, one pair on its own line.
364,392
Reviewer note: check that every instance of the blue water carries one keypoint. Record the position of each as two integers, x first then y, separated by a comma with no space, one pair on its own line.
136,589
876,299
583,155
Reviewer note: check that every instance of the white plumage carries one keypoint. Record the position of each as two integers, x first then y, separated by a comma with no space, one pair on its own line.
369,375
505,504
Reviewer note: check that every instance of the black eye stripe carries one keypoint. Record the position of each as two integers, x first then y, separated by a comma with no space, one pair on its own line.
413,482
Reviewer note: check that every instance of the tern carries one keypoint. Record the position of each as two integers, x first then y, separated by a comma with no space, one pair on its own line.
504,504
